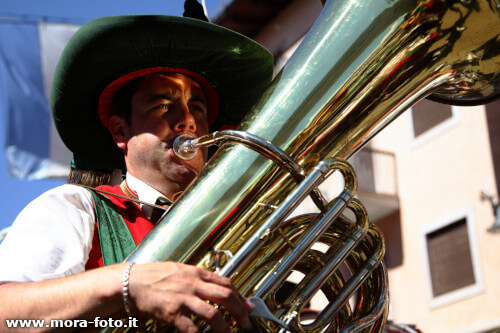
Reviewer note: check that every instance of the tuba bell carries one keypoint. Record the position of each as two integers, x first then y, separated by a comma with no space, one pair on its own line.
360,66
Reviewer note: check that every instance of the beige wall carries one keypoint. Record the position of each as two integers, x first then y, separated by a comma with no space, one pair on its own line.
437,179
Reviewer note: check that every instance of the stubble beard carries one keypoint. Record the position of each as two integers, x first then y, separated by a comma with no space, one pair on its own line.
180,172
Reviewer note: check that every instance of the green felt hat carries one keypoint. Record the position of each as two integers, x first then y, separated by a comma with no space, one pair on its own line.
107,53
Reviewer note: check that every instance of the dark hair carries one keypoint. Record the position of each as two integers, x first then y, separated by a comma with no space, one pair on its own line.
122,101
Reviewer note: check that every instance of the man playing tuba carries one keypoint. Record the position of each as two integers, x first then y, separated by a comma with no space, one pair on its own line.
124,89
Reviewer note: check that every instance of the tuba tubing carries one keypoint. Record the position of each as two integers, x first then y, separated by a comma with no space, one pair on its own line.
360,66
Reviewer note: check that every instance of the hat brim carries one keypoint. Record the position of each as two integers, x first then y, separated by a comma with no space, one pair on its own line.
109,48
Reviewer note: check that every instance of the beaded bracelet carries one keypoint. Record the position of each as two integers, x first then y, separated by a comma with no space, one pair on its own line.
126,293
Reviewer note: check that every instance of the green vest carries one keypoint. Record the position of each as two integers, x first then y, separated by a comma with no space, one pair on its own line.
114,236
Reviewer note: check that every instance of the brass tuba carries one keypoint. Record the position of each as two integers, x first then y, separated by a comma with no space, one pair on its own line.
360,66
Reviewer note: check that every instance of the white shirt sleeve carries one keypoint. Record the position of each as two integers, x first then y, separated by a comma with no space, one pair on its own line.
51,237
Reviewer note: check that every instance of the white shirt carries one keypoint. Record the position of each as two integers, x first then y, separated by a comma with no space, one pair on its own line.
52,236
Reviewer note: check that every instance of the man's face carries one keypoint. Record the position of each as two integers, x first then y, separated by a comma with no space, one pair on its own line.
163,107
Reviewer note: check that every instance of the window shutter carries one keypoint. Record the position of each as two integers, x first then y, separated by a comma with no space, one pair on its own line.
450,258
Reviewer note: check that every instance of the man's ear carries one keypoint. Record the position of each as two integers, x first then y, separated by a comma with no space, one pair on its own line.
119,130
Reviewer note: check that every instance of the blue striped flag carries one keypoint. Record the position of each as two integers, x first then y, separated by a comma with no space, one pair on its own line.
28,55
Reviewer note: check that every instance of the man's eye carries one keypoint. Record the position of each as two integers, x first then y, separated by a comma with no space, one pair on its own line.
197,108
163,106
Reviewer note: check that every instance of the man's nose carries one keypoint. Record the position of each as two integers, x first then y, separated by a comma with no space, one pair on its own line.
184,120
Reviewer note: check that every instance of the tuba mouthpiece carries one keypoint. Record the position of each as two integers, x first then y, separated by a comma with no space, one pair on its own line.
185,146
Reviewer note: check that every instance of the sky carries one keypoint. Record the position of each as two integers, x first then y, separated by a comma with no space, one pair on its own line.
14,193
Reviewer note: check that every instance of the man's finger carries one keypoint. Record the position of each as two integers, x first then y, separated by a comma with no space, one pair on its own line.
184,324
234,303
208,312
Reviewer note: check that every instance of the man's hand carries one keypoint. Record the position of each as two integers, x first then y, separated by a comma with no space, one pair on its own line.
171,292
166,291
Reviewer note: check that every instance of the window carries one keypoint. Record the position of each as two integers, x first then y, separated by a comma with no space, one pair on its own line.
427,114
451,259
429,119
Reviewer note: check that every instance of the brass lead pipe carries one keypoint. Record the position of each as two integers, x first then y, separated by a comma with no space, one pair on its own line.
185,146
